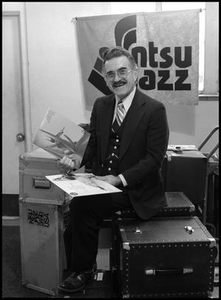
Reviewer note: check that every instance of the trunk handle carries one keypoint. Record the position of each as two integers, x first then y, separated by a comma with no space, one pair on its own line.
186,270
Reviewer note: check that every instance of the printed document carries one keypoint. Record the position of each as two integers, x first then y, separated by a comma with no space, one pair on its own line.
82,184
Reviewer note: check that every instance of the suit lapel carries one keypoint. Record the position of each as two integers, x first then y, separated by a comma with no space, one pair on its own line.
132,120
133,117
105,123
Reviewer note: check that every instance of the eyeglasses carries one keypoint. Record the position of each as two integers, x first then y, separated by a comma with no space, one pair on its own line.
121,73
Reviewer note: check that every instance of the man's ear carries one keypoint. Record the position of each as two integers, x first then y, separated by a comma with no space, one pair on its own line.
135,75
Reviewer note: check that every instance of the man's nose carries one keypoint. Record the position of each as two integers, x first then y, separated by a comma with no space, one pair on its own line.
116,77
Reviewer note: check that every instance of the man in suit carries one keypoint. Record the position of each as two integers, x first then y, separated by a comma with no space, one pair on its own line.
129,137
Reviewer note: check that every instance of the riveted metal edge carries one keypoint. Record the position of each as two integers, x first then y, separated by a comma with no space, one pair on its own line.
168,295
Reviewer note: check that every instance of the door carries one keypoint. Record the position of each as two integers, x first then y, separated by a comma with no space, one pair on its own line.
12,120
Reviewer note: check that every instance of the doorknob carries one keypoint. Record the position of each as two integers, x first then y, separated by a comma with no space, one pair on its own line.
20,137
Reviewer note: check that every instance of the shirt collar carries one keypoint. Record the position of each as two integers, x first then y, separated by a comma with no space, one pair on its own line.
127,100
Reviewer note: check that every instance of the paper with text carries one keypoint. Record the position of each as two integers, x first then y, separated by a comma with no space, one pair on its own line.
82,184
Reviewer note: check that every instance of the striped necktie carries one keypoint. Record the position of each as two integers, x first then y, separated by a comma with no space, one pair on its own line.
120,114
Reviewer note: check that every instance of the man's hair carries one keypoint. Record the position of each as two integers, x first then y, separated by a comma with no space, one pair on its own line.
118,51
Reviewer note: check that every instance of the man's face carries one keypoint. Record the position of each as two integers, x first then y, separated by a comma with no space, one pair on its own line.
120,85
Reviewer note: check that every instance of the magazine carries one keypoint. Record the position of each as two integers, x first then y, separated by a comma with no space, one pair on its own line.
82,184
60,136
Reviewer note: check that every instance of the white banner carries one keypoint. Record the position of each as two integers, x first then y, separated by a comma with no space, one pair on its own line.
165,46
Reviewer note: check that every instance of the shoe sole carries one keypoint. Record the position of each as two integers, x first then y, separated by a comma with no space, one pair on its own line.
71,291
75,290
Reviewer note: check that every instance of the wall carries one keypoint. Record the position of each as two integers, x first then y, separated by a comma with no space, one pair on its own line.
192,124
54,71
55,75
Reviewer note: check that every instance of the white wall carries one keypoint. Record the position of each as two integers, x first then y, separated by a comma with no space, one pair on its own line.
55,75
192,124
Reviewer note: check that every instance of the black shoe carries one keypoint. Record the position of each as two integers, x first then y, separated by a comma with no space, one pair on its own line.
76,282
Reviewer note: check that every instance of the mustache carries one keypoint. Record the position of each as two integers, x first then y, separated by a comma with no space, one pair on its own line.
118,83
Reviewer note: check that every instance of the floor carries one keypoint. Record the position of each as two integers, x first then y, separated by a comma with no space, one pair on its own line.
11,267
11,264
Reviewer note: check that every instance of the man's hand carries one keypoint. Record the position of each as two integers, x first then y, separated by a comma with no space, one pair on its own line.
114,180
70,162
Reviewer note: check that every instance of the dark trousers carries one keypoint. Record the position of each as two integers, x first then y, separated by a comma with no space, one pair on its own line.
82,232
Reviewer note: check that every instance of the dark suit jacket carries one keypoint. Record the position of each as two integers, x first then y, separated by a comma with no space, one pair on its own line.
143,148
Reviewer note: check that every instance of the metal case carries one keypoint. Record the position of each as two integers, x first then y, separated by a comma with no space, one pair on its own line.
165,258
42,248
186,172
178,204
33,167
44,212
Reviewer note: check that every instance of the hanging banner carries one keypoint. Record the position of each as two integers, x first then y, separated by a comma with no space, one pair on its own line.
165,46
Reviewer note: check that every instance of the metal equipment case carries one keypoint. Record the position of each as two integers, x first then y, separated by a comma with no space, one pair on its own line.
178,204
186,172
43,210
42,248
165,258
33,167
